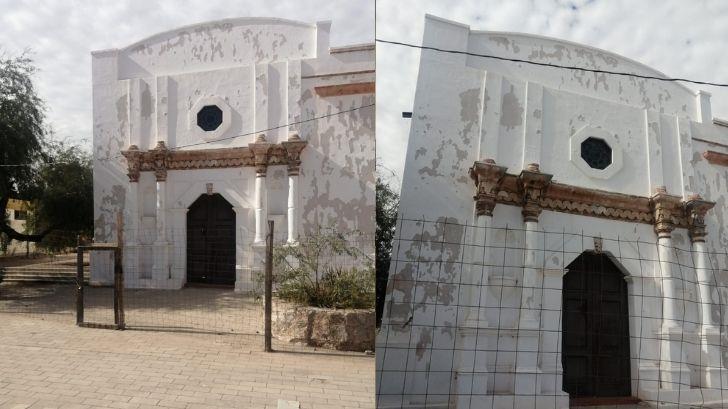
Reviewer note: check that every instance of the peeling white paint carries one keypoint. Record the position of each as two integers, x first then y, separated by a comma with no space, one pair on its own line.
262,72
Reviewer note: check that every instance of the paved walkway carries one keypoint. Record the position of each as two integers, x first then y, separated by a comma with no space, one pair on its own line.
51,364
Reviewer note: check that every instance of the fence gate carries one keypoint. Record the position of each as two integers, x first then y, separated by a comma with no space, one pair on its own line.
92,302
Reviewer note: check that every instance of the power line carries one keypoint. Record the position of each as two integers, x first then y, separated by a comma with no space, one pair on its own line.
544,64
277,127
31,164
229,137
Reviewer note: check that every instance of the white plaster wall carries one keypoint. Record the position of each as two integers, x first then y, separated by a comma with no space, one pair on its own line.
469,108
264,71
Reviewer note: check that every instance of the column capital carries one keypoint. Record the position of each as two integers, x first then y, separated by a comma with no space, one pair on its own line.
260,149
696,208
533,185
666,209
133,161
294,146
487,177
160,158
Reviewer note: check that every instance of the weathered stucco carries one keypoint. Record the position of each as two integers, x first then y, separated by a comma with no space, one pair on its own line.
262,73
470,109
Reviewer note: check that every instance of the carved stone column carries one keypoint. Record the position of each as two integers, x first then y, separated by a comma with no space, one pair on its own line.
293,146
134,162
487,177
674,373
131,216
714,374
161,269
533,186
470,371
160,155
260,149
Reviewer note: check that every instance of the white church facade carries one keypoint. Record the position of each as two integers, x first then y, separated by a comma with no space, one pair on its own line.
561,236
203,133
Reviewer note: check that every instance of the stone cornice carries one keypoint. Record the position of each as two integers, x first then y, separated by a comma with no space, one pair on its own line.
487,177
293,147
532,185
345,89
667,212
695,209
160,160
716,158
559,197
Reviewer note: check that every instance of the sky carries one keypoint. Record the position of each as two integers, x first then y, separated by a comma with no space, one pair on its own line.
62,34
678,38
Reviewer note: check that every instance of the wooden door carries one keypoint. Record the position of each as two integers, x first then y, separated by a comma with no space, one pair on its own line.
211,241
595,341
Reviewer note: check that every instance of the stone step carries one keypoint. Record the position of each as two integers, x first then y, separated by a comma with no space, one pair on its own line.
41,268
46,276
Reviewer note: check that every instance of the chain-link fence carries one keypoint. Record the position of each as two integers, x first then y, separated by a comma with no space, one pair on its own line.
209,279
485,317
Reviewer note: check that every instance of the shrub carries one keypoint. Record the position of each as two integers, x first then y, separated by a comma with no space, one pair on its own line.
325,269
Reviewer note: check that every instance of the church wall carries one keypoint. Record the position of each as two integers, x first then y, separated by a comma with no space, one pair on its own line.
470,109
262,73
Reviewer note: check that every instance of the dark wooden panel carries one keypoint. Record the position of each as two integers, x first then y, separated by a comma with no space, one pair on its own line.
211,241
595,338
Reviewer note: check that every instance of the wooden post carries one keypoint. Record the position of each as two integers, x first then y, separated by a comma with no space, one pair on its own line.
79,282
269,287
119,275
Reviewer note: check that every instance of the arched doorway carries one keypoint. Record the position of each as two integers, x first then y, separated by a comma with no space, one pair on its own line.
211,241
595,333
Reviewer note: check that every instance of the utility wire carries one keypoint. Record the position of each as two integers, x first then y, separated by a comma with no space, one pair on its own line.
277,127
544,64
229,137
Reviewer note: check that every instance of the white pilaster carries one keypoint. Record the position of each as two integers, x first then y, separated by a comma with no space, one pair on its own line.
528,371
161,212
674,373
261,211
470,368
178,241
713,373
161,269
292,207
131,233
527,381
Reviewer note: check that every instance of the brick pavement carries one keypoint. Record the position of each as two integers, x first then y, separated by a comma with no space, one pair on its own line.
53,364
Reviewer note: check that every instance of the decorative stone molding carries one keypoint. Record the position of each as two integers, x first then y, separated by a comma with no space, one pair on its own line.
144,161
160,157
134,161
260,149
593,132
345,89
563,198
293,146
667,211
227,115
533,185
488,177
695,210
716,158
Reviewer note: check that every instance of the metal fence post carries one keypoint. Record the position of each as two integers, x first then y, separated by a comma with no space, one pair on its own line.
79,283
268,287
119,275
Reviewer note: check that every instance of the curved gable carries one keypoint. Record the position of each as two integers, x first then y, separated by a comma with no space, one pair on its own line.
219,44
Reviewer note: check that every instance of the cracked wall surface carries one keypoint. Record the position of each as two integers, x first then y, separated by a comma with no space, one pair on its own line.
468,109
263,72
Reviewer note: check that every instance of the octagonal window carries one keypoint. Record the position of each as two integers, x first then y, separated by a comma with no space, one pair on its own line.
596,153
209,117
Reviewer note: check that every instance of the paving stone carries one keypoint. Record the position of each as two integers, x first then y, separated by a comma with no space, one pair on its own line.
51,363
